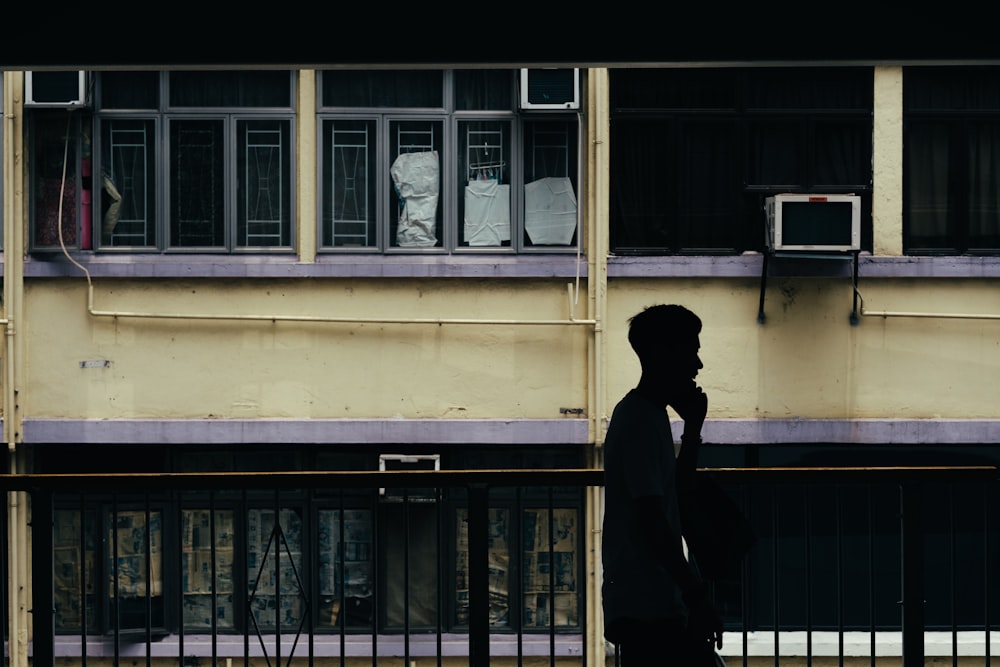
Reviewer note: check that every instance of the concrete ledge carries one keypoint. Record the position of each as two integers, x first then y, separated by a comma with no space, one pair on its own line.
496,431
305,431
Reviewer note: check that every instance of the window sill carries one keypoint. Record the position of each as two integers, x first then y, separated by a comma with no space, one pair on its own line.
747,265
288,266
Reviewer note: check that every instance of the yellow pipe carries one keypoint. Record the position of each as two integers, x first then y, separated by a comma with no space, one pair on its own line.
597,196
905,313
571,320
17,547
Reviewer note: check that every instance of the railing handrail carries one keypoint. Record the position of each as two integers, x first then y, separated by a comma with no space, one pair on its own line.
466,477
303,479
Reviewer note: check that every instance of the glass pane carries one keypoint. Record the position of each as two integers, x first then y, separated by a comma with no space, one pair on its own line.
130,90
550,205
345,568
484,183
951,88
126,194
984,186
415,213
499,567
51,150
777,153
843,153
484,89
196,183
383,88
809,88
274,563
410,530
263,183
73,568
928,200
549,559
349,176
135,565
207,568
681,88
639,221
231,89
710,187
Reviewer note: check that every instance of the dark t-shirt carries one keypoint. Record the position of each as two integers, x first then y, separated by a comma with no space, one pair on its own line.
639,460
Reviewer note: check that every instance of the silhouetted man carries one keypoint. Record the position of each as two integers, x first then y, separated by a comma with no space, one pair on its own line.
655,604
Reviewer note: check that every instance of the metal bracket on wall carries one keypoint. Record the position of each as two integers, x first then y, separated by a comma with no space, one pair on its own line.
765,267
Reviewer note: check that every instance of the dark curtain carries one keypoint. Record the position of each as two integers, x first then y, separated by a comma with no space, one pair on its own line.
952,159
383,88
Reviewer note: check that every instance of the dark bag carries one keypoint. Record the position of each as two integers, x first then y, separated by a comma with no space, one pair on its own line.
717,533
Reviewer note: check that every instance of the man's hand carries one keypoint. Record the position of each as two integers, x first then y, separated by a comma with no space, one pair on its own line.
691,405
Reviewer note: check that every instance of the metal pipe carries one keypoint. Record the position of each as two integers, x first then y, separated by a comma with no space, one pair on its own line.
16,532
904,313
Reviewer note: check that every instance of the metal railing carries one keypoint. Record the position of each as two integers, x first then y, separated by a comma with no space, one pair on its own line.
852,562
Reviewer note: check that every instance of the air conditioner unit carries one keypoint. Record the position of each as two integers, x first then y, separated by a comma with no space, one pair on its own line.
813,222
550,89
58,89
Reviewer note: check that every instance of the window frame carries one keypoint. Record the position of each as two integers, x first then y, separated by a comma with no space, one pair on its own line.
161,152
729,100
960,120
449,211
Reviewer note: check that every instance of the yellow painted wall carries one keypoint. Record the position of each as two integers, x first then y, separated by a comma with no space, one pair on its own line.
808,361
193,368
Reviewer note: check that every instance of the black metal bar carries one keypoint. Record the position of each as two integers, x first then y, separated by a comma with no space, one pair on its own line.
987,489
342,579
179,573
807,505
518,543
552,582
278,532
43,573
116,577
215,578
84,620
442,568
406,577
247,614
148,598
952,552
4,571
871,577
912,566
839,523
376,586
479,576
774,574
855,320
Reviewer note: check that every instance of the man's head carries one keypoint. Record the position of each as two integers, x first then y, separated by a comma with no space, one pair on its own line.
665,338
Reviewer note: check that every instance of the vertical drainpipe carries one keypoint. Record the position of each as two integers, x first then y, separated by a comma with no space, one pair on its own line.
597,283
13,286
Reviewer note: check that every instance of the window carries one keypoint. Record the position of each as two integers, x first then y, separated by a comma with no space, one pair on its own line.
694,152
951,144
441,161
352,560
198,161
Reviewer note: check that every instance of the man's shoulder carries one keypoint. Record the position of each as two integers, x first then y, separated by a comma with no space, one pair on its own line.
631,403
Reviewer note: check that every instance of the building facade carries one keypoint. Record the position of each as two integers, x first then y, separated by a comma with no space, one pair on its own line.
263,270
